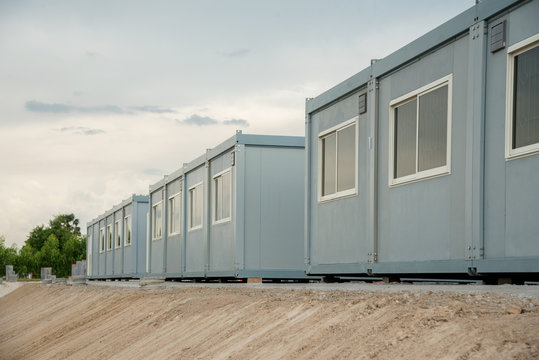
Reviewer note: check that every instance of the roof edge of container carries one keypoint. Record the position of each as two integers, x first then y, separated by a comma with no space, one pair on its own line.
270,140
157,185
133,198
439,35
173,176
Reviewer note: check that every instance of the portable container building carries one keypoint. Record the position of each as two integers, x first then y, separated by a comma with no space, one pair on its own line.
116,241
427,162
235,212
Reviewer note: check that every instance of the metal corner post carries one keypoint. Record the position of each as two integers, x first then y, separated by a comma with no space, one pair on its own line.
207,213
475,114
185,223
307,220
373,166
164,214
239,223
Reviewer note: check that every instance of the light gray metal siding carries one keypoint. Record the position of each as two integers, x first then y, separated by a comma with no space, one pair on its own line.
102,255
511,187
129,251
274,198
424,220
482,214
157,247
222,243
118,251
93,261
196,257
174,251
339,227
109,251
139,235
123,261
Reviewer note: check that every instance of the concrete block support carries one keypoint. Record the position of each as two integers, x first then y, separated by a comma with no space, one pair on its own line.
46,273
78,273
11,276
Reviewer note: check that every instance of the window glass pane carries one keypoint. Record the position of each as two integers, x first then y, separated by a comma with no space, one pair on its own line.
346,158
176,217
195,206
526,99
154,214
127,230
191,208
328,164
405,139
218,198
198,197
159,219
102,236
226,195
432,132
109,236
117,231
170,215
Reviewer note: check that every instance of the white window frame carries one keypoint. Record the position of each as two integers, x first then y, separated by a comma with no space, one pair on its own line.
117,234
110,237
189,204
178,197
401,100
154,221
126,229
513,51
321,136
214,198
102,240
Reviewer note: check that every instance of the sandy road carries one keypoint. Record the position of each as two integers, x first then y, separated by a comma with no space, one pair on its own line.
266,322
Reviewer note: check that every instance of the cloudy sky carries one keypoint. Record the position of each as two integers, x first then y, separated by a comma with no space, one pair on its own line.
99,99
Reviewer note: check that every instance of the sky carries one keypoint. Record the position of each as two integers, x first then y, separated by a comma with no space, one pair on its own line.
100,99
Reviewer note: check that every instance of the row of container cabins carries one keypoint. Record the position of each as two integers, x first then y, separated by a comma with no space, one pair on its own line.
424,164
235,212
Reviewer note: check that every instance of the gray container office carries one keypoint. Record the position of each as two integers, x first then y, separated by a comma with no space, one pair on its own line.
235,212
427,161
116,241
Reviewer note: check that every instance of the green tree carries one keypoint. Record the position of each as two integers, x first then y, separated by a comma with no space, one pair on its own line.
8,256
57,245
28,261
50,253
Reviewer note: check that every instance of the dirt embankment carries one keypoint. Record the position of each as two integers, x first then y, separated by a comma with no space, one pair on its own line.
89,322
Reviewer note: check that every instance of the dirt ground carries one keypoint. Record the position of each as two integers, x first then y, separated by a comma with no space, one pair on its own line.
196,322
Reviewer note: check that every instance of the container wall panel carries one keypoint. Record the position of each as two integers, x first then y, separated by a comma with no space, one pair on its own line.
140,235
174,239
196,256
109,249
274,203
221,237
157,242
339,226
102,255
118,250
511,191
424,220
128,250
